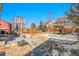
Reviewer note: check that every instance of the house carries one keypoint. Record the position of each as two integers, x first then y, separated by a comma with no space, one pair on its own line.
66,22
52,23
5,26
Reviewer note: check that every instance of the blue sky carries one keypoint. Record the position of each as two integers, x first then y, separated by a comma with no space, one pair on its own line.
34,11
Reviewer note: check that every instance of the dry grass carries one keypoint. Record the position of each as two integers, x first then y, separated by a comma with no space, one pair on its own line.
15,50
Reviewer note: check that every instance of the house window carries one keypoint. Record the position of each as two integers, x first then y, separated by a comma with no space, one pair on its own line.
2,32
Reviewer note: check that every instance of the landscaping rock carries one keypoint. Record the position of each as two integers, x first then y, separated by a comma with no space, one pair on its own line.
22,43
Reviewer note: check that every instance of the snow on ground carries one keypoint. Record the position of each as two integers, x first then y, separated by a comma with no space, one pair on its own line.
56,46
64,37
53,45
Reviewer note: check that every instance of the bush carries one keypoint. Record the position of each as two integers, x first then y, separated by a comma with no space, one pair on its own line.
22,43
43,28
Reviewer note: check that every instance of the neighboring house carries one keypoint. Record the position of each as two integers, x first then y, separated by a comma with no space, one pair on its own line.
64,21
5,26
53,23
